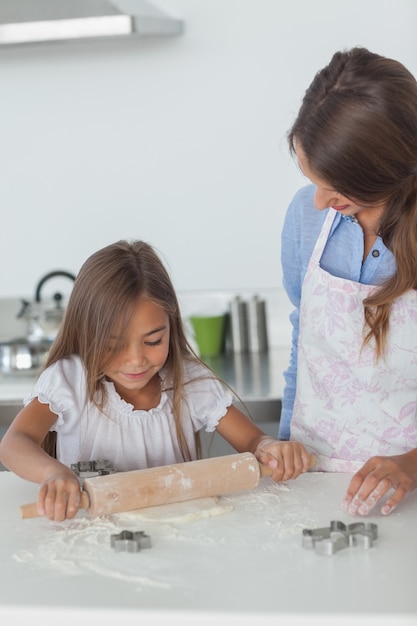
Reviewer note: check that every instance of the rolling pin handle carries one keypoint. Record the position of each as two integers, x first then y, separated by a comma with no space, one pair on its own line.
267,471
28,511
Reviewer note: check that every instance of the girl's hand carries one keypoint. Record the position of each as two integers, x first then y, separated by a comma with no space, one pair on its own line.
59,496
373,481
287,459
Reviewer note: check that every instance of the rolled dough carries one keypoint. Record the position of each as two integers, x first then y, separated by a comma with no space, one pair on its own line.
179,512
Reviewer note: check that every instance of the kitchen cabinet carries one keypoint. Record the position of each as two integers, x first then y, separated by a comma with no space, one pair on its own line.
8,410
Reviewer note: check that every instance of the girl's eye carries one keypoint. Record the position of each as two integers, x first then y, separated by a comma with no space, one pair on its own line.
154,343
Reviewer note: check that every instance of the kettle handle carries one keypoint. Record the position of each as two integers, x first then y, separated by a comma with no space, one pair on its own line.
47,277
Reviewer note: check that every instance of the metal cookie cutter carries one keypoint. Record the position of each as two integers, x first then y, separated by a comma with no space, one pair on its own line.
130,541
338,536
87,469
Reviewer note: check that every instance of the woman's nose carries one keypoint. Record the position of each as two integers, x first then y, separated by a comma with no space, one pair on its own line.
323,199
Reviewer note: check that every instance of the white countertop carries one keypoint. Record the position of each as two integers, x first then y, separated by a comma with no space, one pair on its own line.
13,390
245,565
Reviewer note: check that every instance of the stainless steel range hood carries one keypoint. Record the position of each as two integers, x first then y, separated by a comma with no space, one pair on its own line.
39,21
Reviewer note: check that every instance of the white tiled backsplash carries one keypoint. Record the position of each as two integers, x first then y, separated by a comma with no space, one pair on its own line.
278,309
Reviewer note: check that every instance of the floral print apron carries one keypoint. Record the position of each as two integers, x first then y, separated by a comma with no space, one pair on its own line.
349,407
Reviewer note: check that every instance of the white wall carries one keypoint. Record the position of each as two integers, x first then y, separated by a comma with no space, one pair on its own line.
180,142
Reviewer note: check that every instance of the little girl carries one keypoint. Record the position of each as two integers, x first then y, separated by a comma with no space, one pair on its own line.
122,383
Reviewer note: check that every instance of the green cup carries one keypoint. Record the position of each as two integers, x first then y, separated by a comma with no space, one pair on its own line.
209,333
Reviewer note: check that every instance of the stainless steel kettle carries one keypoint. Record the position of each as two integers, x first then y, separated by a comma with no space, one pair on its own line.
44,321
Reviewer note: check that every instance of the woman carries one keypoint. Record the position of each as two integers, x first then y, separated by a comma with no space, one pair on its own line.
349,257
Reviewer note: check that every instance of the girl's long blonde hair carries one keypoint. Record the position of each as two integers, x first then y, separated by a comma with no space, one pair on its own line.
104,296
358,129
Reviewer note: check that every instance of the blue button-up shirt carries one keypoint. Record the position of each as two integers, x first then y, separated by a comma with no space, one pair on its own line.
342,257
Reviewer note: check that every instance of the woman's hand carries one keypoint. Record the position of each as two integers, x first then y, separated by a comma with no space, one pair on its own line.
378,476
59,496
287,459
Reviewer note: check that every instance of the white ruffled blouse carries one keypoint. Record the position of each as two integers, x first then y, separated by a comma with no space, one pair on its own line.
130,439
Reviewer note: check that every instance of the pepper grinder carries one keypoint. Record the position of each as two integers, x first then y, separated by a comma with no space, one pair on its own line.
239,325
258,335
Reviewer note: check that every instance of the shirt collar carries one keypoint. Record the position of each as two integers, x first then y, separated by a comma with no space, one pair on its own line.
350,218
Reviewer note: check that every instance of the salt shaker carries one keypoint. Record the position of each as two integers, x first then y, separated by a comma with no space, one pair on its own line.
239,325
258,334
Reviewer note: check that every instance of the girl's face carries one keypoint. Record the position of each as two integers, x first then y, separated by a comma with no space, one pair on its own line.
326,196
141,352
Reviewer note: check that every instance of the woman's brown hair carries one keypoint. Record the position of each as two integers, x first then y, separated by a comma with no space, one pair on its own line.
103,298
357,126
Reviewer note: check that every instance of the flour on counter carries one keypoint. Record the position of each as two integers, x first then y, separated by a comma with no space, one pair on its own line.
82,546
183,536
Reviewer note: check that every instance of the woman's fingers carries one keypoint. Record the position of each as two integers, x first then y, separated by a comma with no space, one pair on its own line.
375,479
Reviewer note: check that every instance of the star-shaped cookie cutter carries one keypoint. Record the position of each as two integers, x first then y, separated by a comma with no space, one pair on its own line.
130,541
338,536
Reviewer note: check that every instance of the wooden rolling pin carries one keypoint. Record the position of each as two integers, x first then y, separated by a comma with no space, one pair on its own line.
139,489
